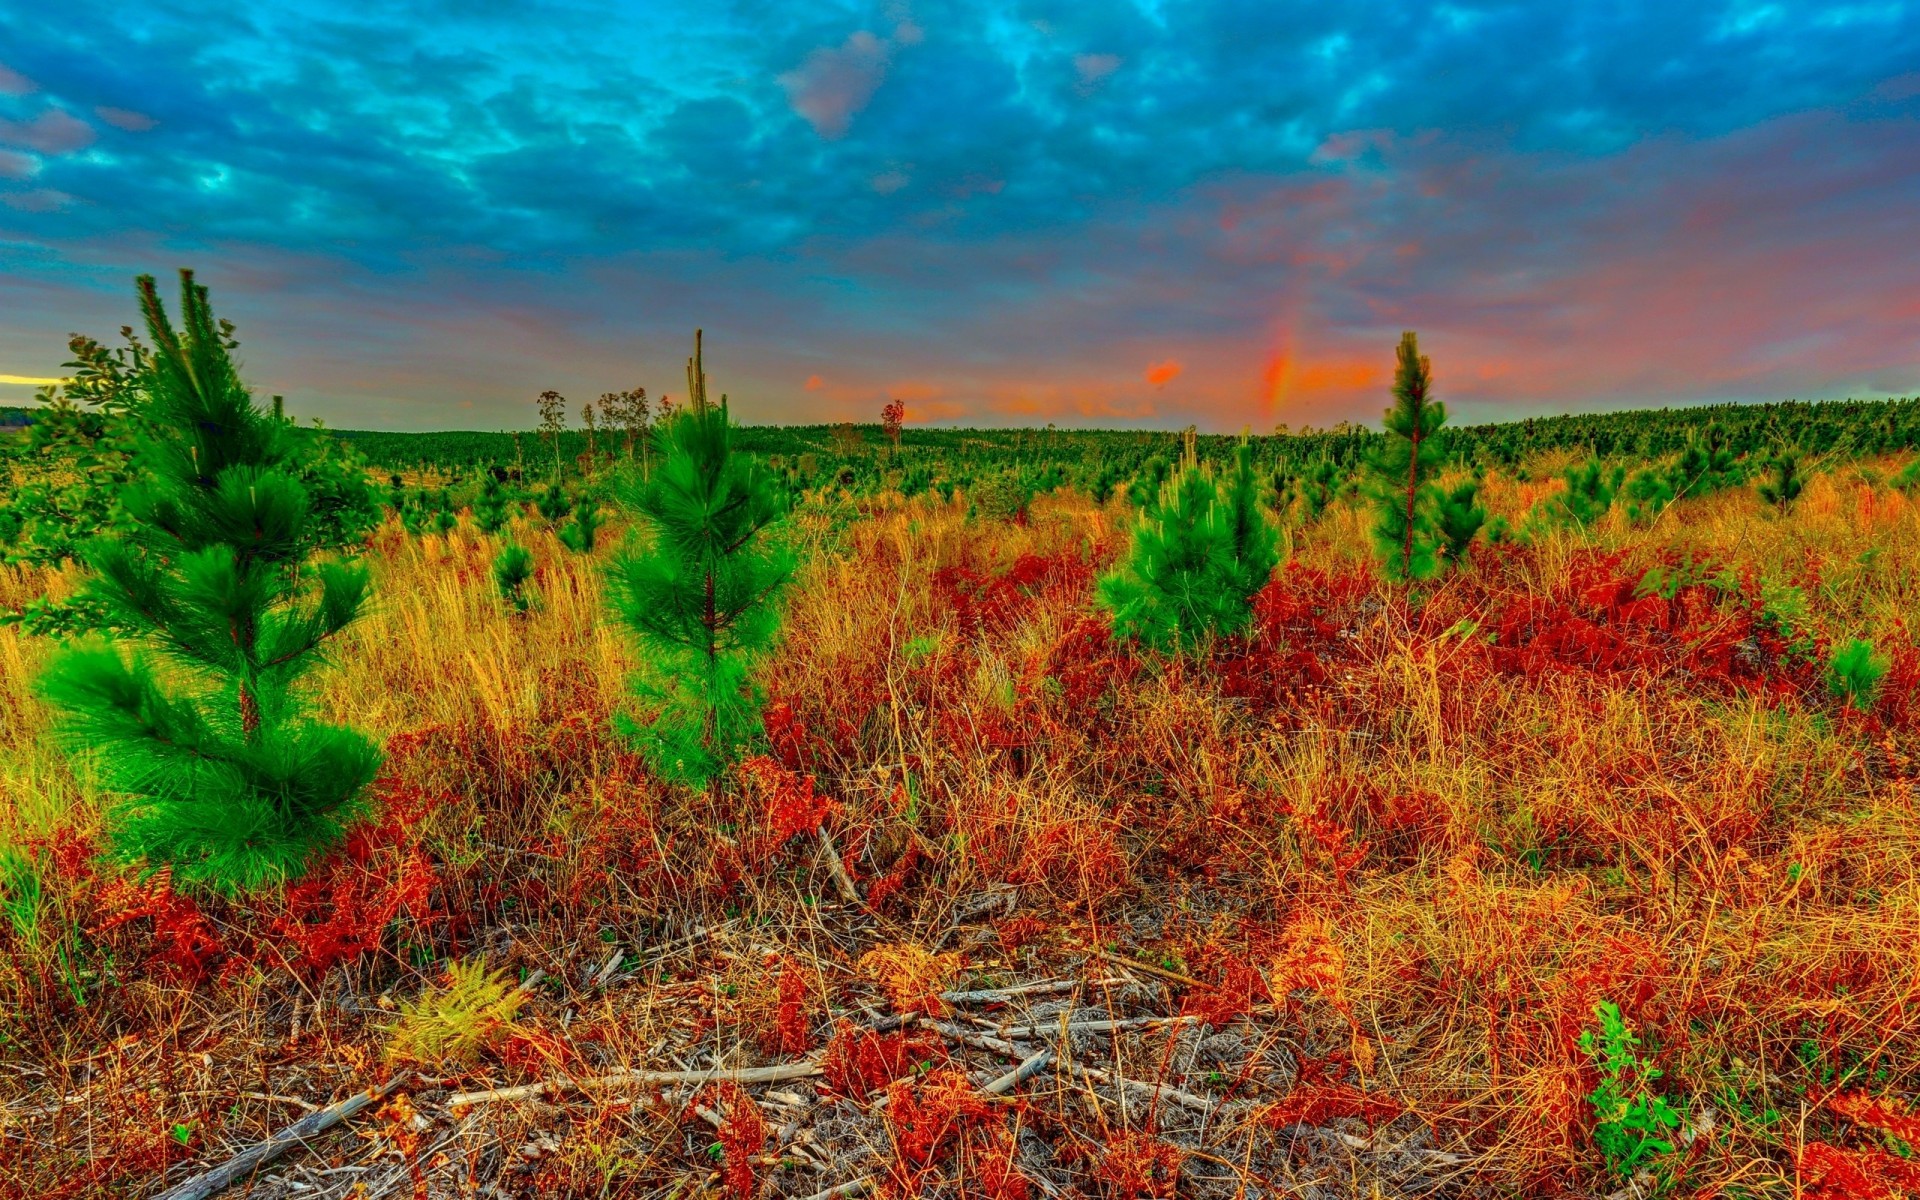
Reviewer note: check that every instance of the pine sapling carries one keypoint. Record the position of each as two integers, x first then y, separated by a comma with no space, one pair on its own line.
579,534
553,504
699,587
194,720
490,508
1855,672
512,568
1404,467
1460,517
1199,555
1783,483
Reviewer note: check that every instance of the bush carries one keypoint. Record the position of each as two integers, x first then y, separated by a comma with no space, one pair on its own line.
1199,556
215,766
1854,673
699,588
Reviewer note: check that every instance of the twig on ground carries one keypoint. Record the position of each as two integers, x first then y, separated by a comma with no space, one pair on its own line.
244,1163
528,1091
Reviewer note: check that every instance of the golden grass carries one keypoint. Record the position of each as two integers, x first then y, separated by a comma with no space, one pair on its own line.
1737,870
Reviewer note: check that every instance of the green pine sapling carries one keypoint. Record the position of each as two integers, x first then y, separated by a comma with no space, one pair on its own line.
1200,553
699,586
579,534
512,568
195,722
553,504
1403,469
1783,485
1460,516
1854,673
490,507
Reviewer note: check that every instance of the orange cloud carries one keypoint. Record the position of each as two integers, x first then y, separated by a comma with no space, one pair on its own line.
815,383
1164,371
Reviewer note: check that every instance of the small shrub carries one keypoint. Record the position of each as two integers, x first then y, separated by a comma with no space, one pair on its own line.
512,568
1854,673
1629,1120
580,533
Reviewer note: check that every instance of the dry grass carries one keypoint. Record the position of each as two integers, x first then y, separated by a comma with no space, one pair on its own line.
1386,857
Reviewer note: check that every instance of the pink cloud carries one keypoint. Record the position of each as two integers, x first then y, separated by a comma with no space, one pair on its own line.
55,131
1092,68
13,83
125,118
836,82
17,166
37,200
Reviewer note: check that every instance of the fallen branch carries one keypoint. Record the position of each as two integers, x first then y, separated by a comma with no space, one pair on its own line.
529,1091
1050,987
1149,968
1025,1032
1157,1090
248,1160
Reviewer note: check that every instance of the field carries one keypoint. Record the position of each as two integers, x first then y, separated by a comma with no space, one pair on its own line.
1330,907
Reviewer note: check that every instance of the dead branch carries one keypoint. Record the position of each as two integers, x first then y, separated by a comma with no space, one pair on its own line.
529,1091
244,1163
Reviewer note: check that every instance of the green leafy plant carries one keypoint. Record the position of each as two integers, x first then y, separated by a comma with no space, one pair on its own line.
1854,673
193,720
1630,1122
512,568
699,587
1405,538
449,1025
1198,557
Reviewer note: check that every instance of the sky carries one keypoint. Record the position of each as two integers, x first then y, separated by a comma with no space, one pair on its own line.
422,213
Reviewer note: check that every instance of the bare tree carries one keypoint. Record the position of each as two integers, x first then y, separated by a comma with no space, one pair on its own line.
553,422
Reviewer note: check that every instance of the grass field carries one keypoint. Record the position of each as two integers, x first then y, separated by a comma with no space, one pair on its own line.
1324,911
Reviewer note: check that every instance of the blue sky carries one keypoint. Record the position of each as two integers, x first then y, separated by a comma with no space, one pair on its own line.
422,214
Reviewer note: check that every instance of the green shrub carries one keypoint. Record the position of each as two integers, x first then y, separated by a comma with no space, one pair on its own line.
213,763
1630,1122
1854,673
1199,556
699,587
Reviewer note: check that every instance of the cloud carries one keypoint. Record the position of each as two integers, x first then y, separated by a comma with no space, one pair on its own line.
124,118
54,131
1092,68
814,383
1164,372
835,83
407,213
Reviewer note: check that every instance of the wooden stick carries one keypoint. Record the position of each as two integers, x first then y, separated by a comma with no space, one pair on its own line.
842,883
248,1160
529,1091
995,995
1027,1032
1150,969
